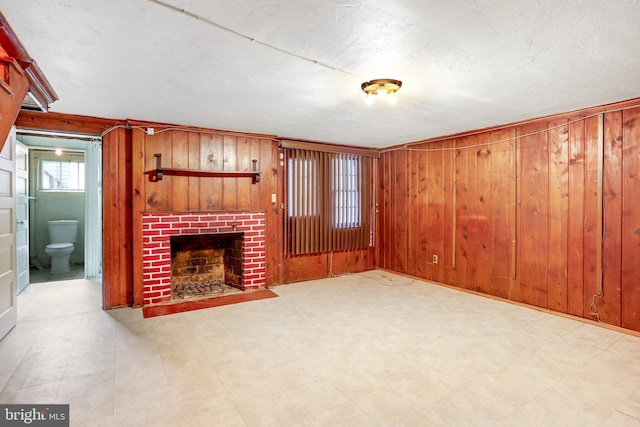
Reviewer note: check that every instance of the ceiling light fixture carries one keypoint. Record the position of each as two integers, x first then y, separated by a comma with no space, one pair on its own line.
382,88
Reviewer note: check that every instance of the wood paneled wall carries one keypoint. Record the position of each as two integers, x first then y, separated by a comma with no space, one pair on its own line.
209,151
117,232
519,212
308,267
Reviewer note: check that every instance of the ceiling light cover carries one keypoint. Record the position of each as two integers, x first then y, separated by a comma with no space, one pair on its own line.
381,88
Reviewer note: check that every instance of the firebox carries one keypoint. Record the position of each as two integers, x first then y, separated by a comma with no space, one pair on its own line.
205,264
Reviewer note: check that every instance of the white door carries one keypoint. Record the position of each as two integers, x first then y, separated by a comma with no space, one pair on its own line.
8,313
22,216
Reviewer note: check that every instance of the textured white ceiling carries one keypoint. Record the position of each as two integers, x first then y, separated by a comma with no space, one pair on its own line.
465,64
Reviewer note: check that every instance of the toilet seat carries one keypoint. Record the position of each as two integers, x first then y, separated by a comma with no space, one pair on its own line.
59,246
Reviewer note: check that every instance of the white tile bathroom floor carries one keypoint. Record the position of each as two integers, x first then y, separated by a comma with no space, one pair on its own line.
369,349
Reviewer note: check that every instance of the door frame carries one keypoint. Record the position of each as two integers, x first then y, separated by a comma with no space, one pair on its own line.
92,148
22,221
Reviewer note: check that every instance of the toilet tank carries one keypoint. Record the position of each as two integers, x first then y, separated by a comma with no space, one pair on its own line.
63,230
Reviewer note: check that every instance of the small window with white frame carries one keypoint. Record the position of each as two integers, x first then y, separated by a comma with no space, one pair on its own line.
61,172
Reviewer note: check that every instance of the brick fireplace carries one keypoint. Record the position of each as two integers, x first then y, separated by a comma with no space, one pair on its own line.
159,228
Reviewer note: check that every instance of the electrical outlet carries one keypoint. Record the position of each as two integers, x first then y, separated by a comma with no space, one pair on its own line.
434,258
151,131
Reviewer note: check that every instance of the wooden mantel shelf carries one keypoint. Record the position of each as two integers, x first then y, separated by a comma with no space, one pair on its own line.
159,172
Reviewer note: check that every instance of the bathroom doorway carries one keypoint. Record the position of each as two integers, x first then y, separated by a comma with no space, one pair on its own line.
64,184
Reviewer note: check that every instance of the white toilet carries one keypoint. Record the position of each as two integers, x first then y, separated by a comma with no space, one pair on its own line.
63,234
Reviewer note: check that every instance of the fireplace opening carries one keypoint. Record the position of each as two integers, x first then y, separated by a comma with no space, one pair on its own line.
204,265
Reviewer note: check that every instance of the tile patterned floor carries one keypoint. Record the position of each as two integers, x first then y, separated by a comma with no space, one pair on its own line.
371,349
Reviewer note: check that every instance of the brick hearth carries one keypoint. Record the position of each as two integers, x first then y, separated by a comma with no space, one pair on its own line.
158,228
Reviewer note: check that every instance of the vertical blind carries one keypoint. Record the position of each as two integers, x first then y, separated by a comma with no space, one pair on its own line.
329,201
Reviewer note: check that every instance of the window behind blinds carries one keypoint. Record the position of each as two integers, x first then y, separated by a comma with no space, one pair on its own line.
329,201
